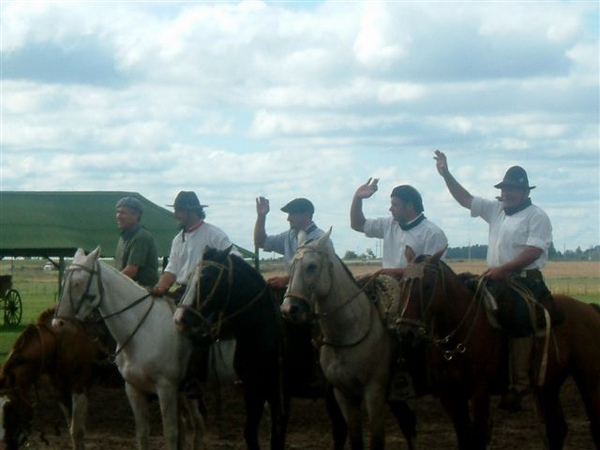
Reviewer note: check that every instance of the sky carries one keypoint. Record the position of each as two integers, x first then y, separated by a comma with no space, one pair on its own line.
235,100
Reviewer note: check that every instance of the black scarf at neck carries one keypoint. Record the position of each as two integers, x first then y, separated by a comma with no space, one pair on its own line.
414,223
515,209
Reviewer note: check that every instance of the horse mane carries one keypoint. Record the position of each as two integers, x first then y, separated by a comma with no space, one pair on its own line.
46,316
216,255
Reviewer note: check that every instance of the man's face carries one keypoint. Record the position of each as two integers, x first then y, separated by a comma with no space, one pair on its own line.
183,218
512,196
299,221
127,217
400,210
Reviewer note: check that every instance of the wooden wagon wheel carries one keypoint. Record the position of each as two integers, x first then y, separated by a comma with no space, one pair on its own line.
13,307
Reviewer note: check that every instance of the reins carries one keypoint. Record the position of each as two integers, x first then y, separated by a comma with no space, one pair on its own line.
91,297
298,257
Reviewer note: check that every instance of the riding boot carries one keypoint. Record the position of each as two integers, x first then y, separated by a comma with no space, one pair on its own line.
520,359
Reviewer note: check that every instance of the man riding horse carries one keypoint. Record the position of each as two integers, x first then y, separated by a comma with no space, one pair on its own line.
520,234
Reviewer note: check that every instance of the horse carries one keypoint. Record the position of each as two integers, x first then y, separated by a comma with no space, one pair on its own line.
73,364
464,353
227,296
151,354
358,350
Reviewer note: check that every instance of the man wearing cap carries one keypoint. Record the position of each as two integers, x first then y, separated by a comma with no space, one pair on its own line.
406,227
136,254
189,244
520,235
300,216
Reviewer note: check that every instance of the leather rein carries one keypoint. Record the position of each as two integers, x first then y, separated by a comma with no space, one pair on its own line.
298,259
88,296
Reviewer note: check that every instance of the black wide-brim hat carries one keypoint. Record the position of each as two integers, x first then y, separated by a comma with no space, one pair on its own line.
187,200
515,177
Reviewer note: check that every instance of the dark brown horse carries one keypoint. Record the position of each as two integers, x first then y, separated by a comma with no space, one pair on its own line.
463,355
71,362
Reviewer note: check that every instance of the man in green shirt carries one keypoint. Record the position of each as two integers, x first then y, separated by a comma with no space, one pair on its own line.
136,254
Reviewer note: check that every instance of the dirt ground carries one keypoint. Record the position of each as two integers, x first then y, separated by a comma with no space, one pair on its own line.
110,425
110,422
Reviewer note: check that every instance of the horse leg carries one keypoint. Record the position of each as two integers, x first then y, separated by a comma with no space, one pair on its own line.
457,407
78,418
279,405
589,389
254,410
351,409
339,429
191,410
548,403
168,398
481,429
376,409
406,420
139,405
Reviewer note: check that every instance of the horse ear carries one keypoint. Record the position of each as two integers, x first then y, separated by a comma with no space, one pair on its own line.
438,255
94,254
409,254
302,237
324,238
80,253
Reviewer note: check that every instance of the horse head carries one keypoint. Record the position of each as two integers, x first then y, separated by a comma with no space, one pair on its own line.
310,278
208,293
82,290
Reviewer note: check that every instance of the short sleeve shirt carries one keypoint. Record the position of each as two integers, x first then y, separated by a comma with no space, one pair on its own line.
425,239
136,247
510,235
286,243
187,250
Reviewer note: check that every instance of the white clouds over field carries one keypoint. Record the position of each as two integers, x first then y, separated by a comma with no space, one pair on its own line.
284,99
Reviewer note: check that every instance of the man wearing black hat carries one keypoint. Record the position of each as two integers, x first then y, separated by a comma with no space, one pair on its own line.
520,235
300,216
136,254
188,245
406,227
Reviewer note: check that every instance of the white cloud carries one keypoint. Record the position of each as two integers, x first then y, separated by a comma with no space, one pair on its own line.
286,99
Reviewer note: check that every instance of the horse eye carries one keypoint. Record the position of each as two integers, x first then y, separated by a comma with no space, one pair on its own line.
311,268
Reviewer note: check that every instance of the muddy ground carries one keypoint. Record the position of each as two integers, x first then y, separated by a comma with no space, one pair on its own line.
110,424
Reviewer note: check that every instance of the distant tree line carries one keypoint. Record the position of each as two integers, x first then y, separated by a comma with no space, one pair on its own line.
480,252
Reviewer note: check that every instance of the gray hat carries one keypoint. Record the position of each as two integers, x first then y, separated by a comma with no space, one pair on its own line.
515,177
187,200
299,206
131,202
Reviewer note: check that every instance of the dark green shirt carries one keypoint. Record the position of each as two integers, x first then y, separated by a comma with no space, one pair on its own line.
136,247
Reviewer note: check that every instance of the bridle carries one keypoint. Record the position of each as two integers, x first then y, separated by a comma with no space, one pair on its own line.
425,323
199,305
298,259
95,301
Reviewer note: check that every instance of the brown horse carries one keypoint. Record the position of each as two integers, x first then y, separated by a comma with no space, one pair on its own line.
463,353
70,360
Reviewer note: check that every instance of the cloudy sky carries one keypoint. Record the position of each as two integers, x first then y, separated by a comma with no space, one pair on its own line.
306,99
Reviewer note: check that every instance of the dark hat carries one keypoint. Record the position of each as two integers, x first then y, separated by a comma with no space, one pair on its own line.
299,206
131,202
515,177
187,200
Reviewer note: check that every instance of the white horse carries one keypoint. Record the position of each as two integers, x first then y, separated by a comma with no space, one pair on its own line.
151,354
357,349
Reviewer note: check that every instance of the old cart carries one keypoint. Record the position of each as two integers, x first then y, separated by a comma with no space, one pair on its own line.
10,301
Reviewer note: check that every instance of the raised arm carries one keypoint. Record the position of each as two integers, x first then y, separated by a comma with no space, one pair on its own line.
357,218
262,209
460,194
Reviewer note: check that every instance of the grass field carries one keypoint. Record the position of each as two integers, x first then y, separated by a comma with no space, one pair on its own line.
39,288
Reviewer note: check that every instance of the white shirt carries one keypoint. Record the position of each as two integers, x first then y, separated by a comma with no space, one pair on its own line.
187,250
510,235
425,239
